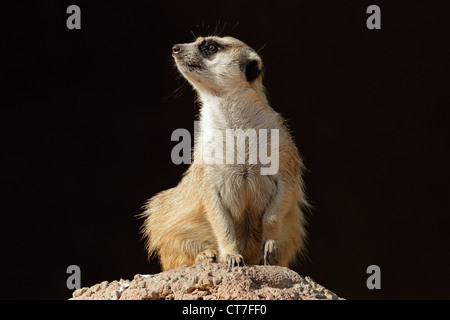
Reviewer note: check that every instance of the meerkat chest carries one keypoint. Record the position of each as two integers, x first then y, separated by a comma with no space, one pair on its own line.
240,146
243,137
243,189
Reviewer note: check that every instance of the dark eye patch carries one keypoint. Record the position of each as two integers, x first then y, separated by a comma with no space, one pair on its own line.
209,47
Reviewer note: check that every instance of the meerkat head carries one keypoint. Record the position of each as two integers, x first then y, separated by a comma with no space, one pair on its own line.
218,65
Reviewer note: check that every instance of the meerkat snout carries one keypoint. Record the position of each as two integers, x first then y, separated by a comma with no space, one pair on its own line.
176,49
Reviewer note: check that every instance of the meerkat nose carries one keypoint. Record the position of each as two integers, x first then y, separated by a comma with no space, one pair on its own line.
176,49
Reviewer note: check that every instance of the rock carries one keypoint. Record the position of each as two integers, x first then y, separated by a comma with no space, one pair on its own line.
211,281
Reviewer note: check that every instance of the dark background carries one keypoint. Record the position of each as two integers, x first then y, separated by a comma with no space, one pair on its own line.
87,115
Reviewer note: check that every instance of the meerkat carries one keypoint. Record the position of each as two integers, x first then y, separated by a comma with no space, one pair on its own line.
229,213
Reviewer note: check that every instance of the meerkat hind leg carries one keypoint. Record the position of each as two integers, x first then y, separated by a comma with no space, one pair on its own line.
208,255
233,260
274,221
269,253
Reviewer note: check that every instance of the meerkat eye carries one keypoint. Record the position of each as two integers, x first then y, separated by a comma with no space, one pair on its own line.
209,48
212,48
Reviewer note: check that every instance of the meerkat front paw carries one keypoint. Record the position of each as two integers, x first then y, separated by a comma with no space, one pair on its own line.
269,253
209,255
234,260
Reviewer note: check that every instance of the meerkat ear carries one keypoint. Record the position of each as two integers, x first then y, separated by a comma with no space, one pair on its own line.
251,65
253,70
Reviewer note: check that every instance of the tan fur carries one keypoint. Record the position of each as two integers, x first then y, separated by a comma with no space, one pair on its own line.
229,211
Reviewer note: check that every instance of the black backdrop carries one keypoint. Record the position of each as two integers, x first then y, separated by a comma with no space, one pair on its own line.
87,115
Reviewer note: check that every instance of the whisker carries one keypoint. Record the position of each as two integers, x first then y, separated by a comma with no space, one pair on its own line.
215,28
220,33
257,51
193,34
235,25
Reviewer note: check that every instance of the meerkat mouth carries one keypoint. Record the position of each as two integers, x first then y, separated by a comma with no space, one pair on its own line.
194,66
